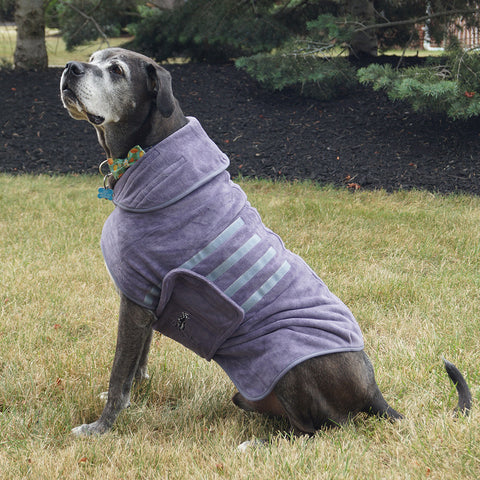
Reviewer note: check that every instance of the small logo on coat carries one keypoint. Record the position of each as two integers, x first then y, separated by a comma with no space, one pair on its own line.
181,320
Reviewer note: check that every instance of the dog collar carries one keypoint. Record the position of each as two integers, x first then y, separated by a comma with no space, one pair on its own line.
117,167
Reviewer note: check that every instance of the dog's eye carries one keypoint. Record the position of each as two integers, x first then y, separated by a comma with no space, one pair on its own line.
116,69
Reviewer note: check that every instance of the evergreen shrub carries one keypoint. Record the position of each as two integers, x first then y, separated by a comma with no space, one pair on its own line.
203,31
450,85
313,76
313,65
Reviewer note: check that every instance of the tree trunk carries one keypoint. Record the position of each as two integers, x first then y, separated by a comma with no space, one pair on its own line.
30,51
363,43
167,4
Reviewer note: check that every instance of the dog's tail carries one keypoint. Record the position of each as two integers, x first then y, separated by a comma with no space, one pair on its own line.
380,407
464,395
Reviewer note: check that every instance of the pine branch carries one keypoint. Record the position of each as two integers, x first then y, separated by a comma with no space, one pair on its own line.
446,13
89,18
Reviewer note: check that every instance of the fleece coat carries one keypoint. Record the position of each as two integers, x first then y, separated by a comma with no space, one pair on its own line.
184,242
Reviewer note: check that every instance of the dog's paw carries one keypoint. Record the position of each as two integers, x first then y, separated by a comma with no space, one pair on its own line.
89,429
251,445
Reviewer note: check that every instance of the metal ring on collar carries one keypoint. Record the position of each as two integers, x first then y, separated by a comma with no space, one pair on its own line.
101,166
105,176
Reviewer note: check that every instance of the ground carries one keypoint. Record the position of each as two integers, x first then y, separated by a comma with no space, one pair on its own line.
360,140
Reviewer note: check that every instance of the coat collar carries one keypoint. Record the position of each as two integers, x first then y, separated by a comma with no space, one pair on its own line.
170,170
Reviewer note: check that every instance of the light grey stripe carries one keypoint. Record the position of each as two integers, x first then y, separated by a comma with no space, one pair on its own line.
229,232
251,272
234,258
148,300
266,287
152,296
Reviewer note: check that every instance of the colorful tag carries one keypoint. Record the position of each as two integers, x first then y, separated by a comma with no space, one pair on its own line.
106,193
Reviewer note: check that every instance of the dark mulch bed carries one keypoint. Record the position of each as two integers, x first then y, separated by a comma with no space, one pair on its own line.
359,139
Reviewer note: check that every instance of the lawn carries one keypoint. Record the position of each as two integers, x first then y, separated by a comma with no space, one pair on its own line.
406,263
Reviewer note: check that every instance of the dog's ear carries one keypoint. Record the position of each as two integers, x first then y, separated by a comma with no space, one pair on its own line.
161,87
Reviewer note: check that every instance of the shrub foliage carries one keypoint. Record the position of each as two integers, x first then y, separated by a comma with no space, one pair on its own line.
450,85
319,77
82,21
215,30
303,44
314,65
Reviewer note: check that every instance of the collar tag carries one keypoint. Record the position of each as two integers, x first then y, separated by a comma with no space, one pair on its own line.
106,193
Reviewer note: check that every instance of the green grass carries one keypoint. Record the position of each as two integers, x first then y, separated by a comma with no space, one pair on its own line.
57,54
406,263
414,52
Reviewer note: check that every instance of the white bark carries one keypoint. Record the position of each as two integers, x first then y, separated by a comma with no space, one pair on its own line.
30,51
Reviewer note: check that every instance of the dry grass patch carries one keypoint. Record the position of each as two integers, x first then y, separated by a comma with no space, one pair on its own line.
407,265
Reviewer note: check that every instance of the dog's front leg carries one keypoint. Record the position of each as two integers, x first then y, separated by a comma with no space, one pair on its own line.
141,373
133,342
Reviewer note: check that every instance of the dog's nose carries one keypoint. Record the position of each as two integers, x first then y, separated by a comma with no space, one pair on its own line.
75,68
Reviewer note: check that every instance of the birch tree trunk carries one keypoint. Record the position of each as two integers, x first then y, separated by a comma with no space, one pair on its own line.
30,51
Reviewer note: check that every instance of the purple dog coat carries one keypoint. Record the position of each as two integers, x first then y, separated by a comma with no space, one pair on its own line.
184,242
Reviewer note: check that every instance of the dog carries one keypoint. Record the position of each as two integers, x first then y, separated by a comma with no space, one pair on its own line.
192,259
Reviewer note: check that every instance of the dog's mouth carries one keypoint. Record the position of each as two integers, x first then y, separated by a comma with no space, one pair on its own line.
67,93
95,119
75,105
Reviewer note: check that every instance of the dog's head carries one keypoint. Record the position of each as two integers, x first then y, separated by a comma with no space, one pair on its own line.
114,85
119,92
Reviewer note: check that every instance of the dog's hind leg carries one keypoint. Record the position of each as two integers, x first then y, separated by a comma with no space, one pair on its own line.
133,341
267,406
379,406
329,390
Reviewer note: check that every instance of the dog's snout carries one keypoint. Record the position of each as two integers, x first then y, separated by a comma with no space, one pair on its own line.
75,68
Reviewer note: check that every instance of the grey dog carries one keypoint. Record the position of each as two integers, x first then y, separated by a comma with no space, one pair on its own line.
289,345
